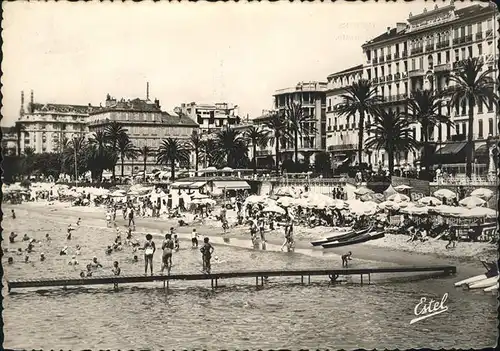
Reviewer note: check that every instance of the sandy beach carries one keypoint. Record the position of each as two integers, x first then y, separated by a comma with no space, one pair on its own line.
389,249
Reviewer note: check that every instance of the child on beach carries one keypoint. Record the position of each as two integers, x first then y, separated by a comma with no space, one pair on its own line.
206,251
73,261
176,243
108,220
116,270
95,263
70,229
345,258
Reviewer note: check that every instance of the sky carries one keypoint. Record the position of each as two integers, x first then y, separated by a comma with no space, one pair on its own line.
240,53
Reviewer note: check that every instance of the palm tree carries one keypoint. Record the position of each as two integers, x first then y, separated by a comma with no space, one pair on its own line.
75,147
99,155
195,144
257,136
113,132
126,150
170,152
280,132
391,133
424,107
207,154
474,87
144,152
361,98
231,148
29,154
299,123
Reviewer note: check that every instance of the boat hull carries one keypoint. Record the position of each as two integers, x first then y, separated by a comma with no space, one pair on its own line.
471,280
485,283
492,288
358,240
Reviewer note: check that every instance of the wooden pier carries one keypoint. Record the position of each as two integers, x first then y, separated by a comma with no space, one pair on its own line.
331,274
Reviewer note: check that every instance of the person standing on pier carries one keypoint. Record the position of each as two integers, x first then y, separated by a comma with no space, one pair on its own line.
149,250
167,247
206,251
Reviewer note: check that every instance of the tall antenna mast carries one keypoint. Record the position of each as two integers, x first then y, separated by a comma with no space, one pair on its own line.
147,90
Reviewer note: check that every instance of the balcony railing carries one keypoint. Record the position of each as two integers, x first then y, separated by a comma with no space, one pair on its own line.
416,72
396,55
458,64
381,59
468,38
404,53
479,36
429,47
489,32
443,44
397,76
443,67
388,57
381,79
417,51
456,41
374,60
388,78
375,80
404,75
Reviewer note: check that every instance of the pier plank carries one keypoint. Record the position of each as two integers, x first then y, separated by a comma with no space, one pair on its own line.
127,279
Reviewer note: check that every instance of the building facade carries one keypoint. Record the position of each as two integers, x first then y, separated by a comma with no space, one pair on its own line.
210,117
341,131
45,126
146,125
9,141
422,53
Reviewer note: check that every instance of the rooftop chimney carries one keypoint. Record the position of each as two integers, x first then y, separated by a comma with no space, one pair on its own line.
147,91
388,30
400,27
32,100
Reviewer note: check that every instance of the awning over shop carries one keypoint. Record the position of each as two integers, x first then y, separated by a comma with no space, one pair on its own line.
197,185
232,185
182,185
451,148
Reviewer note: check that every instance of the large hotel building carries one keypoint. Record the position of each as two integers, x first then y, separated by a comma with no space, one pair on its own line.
421,54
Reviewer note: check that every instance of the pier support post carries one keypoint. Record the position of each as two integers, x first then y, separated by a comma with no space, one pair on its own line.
262,281
257,281
369,278
302,279
216,282
309,279
212,283
361,278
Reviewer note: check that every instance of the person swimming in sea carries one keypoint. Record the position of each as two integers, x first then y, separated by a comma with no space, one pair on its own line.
89,270
42,257
167,247
29,249
26,237
206,251
47,237
64,251
73,261
116,270
176,243
136,258
109,250
149,250
27,259
345,258
95,263
78,221
13,214
19,251
12,237
77,250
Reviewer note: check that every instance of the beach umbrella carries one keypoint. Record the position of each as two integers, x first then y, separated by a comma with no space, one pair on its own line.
227,169
402,187
389,205
363,191
446,210
203,202
275,209
255,199
379,197
445,193
367,197
398,198
286,201
321,200
200,196
389,191
482,193
428,200
471,202
415,210
285,191
480,212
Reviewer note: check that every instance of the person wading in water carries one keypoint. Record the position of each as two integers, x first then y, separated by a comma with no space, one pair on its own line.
167,247
206,250
345,258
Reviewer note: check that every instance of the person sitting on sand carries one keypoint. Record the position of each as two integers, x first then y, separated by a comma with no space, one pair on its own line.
42,257
345,258
13,214
109,250
26,237
64,251
73,261
19,251
12,237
